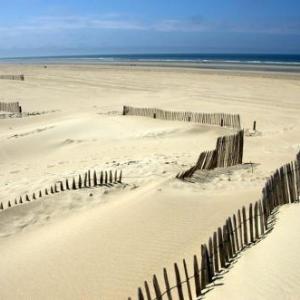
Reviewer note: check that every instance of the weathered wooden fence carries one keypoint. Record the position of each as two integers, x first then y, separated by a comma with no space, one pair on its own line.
13,107
90,179
243,228
228,152
13,77
219,119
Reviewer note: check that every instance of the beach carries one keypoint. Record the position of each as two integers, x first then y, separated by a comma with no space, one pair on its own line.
104,242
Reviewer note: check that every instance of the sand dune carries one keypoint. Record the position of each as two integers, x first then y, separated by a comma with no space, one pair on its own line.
74,246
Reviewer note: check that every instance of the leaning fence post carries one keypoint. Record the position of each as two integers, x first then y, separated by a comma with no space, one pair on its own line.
178,282
167,284
157,288
140,294
148,294
187,280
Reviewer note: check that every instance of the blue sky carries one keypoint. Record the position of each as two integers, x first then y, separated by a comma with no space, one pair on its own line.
42,27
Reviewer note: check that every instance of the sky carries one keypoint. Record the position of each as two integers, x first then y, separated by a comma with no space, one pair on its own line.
69,27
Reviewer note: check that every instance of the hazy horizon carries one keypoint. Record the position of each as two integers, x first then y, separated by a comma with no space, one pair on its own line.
50,28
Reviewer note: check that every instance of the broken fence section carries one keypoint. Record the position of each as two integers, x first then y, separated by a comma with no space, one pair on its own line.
228,153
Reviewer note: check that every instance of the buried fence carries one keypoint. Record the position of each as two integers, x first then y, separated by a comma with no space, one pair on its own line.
13,107
88,180
219,119
238,232
228,152
13,77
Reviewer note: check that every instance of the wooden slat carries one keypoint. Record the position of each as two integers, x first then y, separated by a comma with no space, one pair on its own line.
178,282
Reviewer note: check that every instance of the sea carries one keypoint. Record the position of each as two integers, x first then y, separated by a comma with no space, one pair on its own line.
246,59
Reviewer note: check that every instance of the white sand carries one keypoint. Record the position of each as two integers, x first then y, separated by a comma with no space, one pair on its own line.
72,246
270,269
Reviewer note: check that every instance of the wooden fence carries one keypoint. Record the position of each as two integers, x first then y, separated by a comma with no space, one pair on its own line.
13,77
228,152
13,107
219,119
90,179
240,230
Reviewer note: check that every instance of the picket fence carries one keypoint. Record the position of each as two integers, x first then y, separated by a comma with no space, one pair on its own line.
13,77
13,107
244,228
218,119
90,179
228,152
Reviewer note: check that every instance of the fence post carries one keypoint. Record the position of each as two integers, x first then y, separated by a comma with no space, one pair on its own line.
167,284
232,236
89,178
187,280
73,184
67,184
262,226
79,182
178,282
147,290
240,228
236,233
211,257
251,223
110,176
140,294
245,226
197,277
221,248
256,220
95,178
215,249
106,178
156,288
101,178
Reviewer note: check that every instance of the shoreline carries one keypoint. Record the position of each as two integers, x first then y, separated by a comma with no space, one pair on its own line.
235,68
